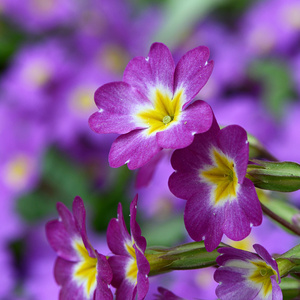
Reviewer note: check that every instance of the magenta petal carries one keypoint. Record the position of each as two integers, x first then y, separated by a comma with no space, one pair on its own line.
236,224
142,276
117,102
63,271
60,240
104,278
117,234
264,254
249,202
233,141
197,118
192,72
200,220
157,70
276,290
233,285
118,265
126,291
79,216
133,148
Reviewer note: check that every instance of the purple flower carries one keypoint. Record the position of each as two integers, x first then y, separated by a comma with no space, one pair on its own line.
151,108
129,264
80,270
210,175
245,275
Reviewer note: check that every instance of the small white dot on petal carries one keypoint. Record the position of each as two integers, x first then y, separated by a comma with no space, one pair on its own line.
247,142
100,110
251,225
126,162
147,58
206,63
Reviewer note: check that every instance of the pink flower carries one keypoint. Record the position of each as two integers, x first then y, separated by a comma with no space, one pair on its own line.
152,107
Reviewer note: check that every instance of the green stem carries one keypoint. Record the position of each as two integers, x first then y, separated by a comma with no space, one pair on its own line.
280,220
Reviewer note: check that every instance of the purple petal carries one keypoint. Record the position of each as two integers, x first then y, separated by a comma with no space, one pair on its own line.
133,148
249,202
118,264
197,118
61,241
104,278
63,271
117,234
155,71
264,254
126,291
233,141
136,232
142,276
146,172
79,216
276,290
236,224
233,285
232,253
200,220
117,103
192,72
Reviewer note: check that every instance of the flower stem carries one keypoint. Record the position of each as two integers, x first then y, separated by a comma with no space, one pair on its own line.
280,220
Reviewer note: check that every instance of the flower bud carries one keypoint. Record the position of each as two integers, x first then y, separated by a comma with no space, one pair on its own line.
275,176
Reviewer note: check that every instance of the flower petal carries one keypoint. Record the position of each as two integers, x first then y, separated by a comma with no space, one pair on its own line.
196,118
155,71
233,141
133,148
117,103
79,216
117,234
192,72
249,202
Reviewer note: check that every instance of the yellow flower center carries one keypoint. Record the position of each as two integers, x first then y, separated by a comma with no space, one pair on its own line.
131,269
85,271
18,170
81,100
261,275
222,176
164,112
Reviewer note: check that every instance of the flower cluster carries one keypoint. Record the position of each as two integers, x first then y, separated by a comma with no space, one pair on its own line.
153,108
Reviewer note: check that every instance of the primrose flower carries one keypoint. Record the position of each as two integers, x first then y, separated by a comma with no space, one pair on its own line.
151,108
210,175
129,264
245,275
80,270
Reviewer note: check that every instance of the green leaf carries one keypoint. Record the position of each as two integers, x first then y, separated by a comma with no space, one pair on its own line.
180,16
276,81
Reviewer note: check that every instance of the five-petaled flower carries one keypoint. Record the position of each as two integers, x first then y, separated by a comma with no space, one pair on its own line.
152,107
245,275
210,175
80,270
129,264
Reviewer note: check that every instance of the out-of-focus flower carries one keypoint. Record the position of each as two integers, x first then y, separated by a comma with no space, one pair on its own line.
37,16
210,175
39,71
151,108
79,269
129,264
245,275
165,294
271,26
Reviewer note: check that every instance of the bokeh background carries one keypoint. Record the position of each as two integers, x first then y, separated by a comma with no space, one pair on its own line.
54,54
